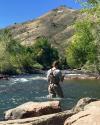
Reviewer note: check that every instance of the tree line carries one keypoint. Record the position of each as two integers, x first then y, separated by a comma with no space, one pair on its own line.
84,50
17,59
82,53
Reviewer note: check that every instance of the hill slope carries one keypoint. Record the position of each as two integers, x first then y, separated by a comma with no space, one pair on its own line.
56,25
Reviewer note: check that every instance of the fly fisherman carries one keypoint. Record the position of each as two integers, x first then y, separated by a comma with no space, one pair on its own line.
54,77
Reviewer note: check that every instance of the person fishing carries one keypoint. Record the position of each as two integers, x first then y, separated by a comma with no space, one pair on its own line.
54,76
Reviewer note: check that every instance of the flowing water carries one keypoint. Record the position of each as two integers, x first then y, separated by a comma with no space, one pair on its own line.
22,89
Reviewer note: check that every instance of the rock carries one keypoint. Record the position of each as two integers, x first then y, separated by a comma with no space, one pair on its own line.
90,115
4,77
85,108
51,119
82,103
80,76
33,109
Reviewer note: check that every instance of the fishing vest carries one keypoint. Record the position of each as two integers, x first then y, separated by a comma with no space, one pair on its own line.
52,78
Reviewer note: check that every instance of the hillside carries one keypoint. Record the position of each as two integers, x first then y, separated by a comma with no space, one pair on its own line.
56,25
60,27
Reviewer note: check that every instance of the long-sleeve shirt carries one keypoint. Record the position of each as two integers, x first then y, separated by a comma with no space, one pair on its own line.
57,73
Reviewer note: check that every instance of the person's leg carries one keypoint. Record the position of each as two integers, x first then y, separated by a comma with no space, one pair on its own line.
51,91
58,91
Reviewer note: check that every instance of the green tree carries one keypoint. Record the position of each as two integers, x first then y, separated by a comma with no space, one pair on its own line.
44,53
13,56
82,48
5,57
89,3
16,59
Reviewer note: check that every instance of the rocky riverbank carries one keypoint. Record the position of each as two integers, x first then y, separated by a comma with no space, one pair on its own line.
4,77
86,112
81,76
7,76
69,75
78,74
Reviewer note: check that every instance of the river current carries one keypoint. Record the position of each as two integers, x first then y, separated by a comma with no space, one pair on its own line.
19,90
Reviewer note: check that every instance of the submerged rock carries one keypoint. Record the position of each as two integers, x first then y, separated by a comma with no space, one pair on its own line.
33,109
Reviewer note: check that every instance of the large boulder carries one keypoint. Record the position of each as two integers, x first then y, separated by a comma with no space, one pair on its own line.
56,118
51,119
82,103
33,109
90,115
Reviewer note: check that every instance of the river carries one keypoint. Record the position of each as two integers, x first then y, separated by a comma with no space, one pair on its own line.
18,90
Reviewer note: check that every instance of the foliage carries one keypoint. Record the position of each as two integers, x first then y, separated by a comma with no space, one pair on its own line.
37,66
82,48
44,53
63,62
18,59
89,67
89,3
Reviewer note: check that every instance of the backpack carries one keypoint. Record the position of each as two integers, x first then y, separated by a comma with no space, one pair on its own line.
52,78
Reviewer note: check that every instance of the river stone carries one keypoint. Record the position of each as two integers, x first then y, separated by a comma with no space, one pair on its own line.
82,103
51,119
33,109
90,115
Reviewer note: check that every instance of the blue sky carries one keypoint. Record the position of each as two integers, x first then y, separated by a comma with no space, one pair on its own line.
17,11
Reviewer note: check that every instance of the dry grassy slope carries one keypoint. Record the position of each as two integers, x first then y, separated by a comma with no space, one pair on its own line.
56,25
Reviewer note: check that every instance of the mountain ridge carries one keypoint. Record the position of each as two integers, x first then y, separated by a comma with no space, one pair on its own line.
56,26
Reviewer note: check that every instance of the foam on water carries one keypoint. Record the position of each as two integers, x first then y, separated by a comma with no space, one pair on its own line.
20,80
24,80
48,97
39,78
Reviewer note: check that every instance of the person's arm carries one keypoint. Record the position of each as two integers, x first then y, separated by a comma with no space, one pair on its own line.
61,77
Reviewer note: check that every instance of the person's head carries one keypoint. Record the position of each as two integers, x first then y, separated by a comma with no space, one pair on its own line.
55,64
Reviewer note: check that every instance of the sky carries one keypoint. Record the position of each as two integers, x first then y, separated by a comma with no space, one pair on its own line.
17,11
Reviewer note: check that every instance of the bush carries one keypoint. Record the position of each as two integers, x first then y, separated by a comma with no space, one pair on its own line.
82,47
37,66
17,59
44,53
88,67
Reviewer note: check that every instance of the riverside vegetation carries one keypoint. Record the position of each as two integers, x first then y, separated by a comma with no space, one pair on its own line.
16,58
82,52
84,49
